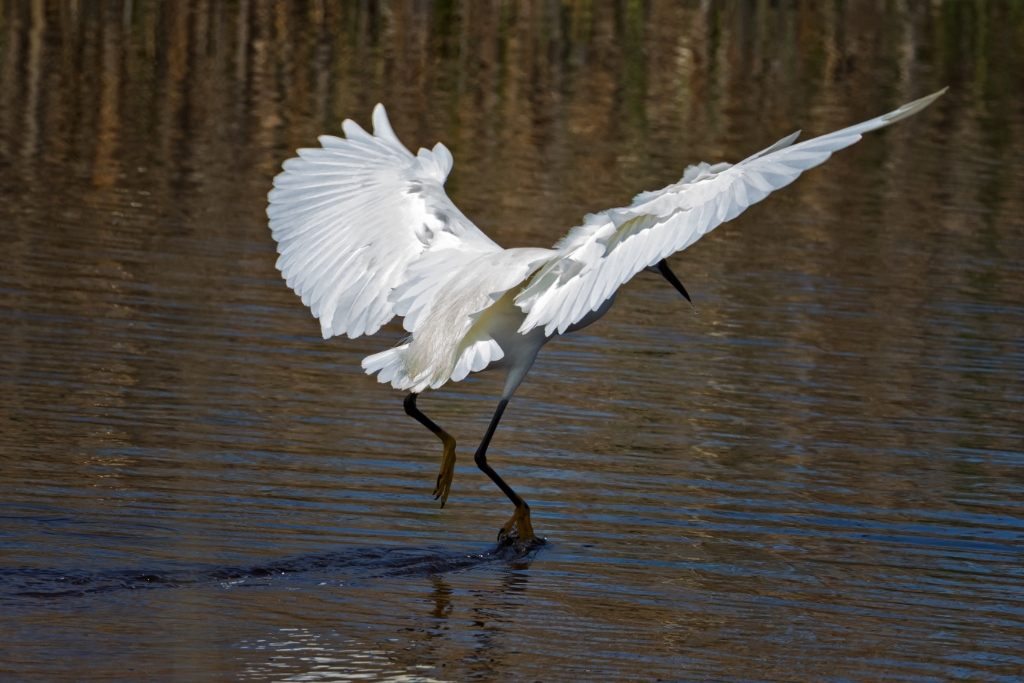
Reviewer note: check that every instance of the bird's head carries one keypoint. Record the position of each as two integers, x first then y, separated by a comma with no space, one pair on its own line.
661,268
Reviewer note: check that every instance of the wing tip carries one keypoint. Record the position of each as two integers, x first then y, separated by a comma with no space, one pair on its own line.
911,108
353,131
381,123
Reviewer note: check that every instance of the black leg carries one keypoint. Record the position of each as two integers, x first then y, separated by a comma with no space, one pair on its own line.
444,477
412,411
481,457
521,518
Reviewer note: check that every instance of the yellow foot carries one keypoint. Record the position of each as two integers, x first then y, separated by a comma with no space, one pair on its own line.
521,523
444,477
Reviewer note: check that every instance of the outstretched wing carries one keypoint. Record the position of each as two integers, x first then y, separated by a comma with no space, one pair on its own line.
611,247
352,217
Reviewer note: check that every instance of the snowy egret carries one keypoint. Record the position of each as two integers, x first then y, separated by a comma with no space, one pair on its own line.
366,232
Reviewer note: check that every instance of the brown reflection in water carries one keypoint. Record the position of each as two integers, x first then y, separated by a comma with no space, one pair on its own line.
865,306
144,120
529,94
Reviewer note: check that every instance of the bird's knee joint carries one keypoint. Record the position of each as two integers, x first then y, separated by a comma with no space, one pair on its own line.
410,405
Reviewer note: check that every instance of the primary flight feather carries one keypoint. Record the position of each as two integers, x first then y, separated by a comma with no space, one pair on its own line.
366,232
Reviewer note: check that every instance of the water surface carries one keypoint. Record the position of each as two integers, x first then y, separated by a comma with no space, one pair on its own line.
818,477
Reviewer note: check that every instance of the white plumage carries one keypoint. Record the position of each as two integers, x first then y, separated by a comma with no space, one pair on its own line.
352,217
598,257
366,232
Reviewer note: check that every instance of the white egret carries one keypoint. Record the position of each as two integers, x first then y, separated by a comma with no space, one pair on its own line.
366,232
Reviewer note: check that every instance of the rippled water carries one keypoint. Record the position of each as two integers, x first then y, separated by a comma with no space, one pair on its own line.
818,477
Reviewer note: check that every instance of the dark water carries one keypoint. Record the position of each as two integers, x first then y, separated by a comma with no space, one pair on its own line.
819,477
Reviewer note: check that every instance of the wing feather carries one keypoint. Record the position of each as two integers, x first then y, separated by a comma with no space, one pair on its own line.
596,258
351,217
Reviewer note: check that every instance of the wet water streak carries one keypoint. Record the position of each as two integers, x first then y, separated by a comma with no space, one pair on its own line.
818,477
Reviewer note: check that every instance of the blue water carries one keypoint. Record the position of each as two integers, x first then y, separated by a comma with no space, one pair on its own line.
819,476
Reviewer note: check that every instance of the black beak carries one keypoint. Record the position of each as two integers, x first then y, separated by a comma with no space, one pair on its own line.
667,273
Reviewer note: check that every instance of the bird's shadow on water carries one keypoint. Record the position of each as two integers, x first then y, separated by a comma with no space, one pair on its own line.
360,563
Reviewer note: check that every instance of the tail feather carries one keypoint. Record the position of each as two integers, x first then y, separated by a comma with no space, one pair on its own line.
391,367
